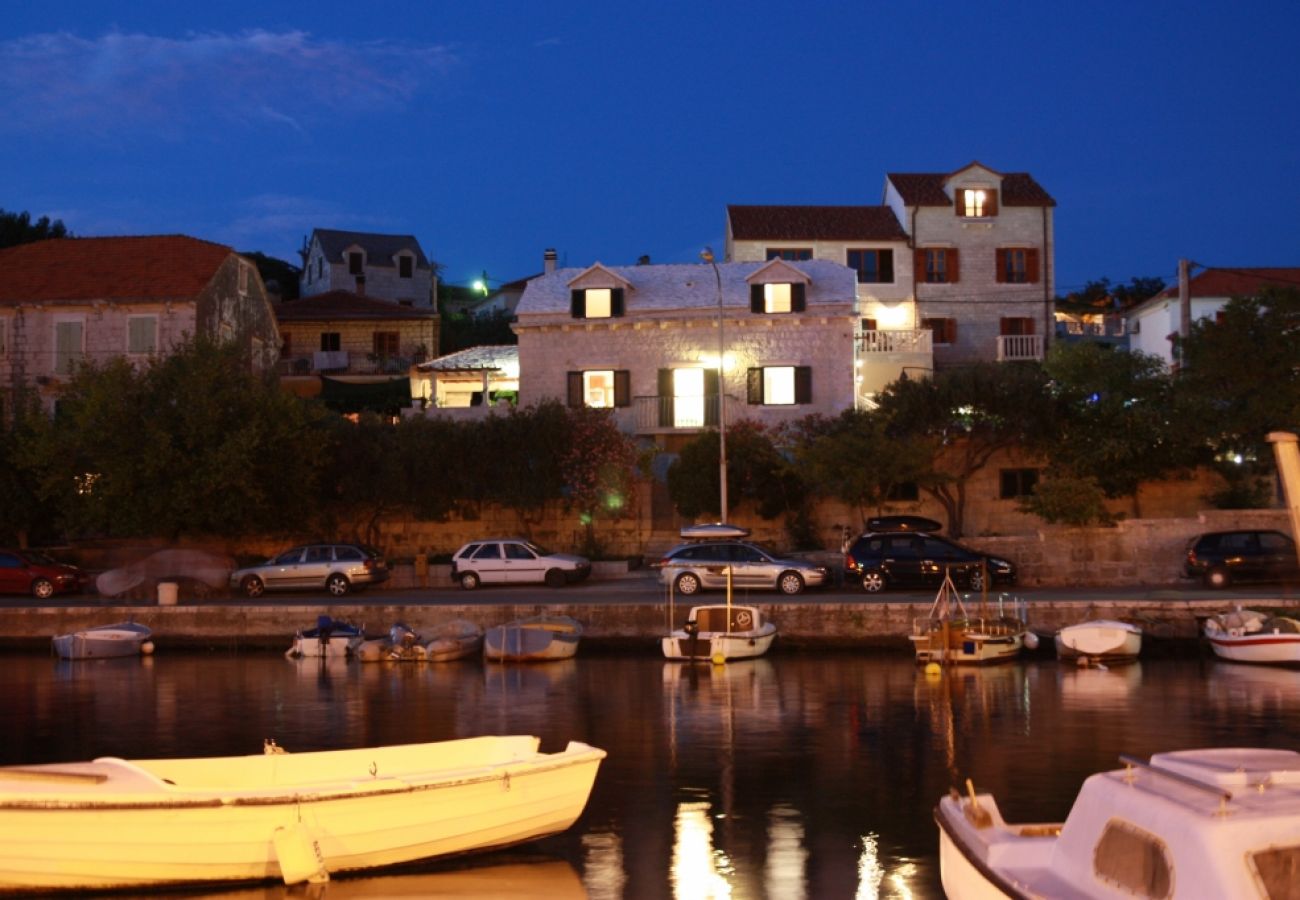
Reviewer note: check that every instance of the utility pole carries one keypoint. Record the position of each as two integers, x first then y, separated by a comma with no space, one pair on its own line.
1184,306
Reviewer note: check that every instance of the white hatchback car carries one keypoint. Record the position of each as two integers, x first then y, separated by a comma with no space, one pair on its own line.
514,561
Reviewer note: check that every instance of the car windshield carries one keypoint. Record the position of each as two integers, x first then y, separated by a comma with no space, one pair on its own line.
38,557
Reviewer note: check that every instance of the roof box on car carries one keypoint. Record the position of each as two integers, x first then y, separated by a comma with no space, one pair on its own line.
903,523
712,531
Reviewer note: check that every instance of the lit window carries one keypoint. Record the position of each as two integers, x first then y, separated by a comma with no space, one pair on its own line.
688,398
974,200
778,385
977,203
599,303
776,298
142,334
598,388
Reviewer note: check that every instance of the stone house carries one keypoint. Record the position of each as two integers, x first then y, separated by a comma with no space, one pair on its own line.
74,300
646,341
356,352
389,267
951,268
1153,323
468,383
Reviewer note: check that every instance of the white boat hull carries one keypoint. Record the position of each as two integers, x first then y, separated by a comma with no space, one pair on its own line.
104,642
1100,639
116,824
533,640
334,647
1273,649
721,631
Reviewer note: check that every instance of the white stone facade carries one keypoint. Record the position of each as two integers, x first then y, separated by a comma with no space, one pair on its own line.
392,267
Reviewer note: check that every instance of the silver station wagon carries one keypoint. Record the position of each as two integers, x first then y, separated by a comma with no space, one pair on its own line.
337,568
702,565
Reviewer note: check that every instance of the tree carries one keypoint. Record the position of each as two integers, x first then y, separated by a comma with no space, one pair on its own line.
279,276
756,472
599,469
1239,379
1116,419
192,443
17,228
966,416
1101,294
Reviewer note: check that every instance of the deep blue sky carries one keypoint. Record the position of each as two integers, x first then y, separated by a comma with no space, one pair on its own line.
492,130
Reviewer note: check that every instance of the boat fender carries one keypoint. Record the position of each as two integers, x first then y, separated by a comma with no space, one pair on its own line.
1031,640
299,856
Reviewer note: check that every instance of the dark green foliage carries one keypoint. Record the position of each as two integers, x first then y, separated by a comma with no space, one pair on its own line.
278,275
1068,500
756,473
460,331
18,228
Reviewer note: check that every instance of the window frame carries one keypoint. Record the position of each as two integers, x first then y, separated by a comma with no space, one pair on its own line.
1016,483
757,385
788,254
578,307
760,301
131,322
884,264
386,344
968,206
943,330
620,390
328,338
356,262
405,266
66,361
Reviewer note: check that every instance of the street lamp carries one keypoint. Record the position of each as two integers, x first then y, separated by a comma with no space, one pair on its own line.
707,255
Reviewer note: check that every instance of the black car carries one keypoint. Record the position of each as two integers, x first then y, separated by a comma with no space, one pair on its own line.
1218,558
913,559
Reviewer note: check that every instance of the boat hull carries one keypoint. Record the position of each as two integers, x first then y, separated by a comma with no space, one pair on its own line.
533,640
104,642
60,828
736,645
1101,639
1269,649
966,647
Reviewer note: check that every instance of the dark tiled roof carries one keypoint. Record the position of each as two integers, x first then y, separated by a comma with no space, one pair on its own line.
489,358
926,189
155,267
337,305
1236,282
814,223
380,248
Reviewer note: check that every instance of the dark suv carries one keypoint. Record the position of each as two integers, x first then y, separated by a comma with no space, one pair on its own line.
914,559
1219,558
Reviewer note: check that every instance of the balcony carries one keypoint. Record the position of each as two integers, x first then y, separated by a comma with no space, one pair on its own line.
660,415
885,356
1020,347
341,362
919,340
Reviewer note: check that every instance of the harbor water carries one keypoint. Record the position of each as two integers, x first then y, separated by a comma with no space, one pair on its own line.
799,775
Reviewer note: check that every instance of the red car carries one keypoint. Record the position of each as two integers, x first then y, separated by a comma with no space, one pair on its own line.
32,572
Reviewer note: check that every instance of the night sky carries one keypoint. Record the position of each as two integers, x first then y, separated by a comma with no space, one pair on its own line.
607,130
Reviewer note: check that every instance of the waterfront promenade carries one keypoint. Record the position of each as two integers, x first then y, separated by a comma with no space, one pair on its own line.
632,610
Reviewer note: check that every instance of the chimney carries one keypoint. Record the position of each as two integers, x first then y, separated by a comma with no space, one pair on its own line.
548,261
643,260
361,285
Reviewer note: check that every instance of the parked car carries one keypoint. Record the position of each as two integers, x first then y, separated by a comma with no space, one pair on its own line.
32,572
515,561
703,565
881,560
338,568
1218,558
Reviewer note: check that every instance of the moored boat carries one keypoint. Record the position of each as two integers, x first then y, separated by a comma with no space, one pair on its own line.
1247,635
721,631
330,637
533,639
1099,641
105,642
118,824
949,634
403,644
457,639
1187,824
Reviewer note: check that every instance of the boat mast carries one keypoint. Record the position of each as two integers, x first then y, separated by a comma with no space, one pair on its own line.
1287,454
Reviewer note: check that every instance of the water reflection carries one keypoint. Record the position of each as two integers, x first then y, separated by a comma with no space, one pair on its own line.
802,776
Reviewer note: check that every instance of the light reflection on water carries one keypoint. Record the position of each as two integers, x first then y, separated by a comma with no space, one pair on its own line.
793,776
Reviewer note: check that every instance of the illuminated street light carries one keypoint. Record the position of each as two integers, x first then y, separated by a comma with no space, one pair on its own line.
707,255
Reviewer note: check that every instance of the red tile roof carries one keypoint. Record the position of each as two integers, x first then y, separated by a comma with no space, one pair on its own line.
814,223
1236,282
157,267
926,189
337,305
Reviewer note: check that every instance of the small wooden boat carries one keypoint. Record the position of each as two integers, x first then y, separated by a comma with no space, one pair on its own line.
330,637
535,639
1099,641
1183,826
135,824
721,631
951,635
457,639
403,644
105,641
1246,635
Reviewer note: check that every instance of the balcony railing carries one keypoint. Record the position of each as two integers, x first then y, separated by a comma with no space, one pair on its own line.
657,414
1020,347
919,340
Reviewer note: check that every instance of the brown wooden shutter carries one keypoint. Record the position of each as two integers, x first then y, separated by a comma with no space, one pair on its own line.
1000,266
951,325
918,265
756,298
1031,265
754,386
577,304
803,384
575,388
959,202
622,387
665,392
991,203
798,296
885,263
952,265
712,385
616,302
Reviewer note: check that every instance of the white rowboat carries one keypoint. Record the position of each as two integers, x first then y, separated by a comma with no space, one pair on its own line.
114,823
1099,640
105,642
1245,635
536,639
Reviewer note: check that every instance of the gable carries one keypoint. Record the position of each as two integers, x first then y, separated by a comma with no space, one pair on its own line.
777,271
598,276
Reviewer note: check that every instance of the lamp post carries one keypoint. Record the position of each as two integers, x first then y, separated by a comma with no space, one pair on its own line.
707,255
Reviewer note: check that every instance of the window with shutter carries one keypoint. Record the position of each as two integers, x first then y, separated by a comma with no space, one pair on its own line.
596,303
872,266
778,385
791,254
943,331
355,263
142,334
1013,265
405,266
68,349
976,202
